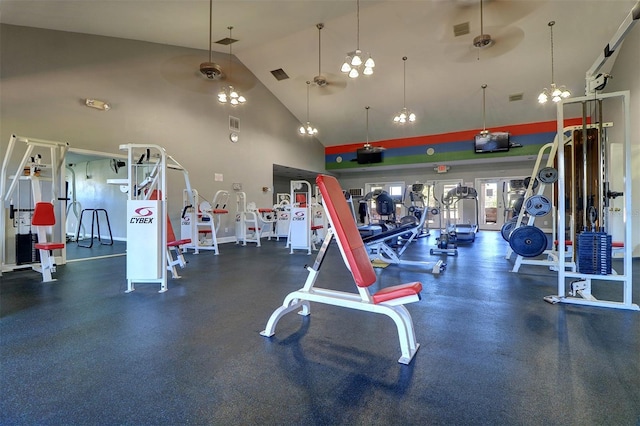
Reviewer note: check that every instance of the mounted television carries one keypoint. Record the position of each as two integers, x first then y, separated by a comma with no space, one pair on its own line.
369,155
492,142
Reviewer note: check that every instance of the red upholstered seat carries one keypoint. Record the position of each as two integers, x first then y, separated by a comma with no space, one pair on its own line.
220,211
316,227
49,246
397,291
265,210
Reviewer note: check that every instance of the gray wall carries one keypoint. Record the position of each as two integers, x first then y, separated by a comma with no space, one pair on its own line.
157,97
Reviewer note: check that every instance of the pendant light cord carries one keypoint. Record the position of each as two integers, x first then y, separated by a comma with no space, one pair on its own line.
367,108
484,121
404,82
551,24
358,24
210,26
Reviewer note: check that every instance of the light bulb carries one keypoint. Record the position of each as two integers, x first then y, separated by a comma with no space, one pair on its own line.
542,98
354,73
396,119
242,99
367,71
302,130
565,93
370,63
356,61
412,117
556,92
346,67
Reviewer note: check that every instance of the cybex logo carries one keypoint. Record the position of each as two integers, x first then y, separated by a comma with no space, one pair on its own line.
143,214
144,211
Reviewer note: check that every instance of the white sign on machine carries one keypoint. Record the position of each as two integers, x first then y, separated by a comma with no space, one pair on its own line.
143,238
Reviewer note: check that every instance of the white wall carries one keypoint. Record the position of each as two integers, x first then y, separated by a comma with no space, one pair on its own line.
626,76
157,97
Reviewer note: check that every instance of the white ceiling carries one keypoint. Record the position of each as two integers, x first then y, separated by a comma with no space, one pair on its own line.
444,73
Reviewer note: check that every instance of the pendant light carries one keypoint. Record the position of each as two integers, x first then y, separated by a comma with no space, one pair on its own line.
228,94
354,64
308,129
555,93
405,115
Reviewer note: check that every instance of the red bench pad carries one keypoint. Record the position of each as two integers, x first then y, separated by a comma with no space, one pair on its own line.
397,291
178,243
220,211
346,231
49,246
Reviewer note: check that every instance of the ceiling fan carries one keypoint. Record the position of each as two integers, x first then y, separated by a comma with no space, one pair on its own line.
210,69
327,82
485,45
190,73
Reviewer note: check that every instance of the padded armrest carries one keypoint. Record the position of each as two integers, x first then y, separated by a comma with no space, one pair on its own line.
398,291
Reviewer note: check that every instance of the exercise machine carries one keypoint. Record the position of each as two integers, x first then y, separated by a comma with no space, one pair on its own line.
300,234
45,178
201,226
388,246
147,215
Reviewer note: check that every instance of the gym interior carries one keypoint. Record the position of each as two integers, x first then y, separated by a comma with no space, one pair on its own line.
157,239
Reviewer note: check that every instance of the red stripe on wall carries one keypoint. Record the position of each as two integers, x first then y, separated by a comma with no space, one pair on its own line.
514,130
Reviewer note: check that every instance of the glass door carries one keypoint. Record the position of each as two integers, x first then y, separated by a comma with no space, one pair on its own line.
496,197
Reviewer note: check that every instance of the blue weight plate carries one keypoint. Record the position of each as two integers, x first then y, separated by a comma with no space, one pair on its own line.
528,241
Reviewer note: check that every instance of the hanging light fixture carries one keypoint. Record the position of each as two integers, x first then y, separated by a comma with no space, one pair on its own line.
405,115
555,93
228,94
355,62
308,129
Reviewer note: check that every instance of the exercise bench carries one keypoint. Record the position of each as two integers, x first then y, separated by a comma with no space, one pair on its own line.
380,246
389,301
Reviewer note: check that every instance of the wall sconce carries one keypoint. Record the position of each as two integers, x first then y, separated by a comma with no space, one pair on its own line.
94,103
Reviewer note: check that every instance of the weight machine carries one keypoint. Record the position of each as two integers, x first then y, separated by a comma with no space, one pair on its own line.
148,245
594,195
202,226
300,234
46,183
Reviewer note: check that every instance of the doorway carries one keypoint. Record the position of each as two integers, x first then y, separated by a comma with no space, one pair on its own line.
496,200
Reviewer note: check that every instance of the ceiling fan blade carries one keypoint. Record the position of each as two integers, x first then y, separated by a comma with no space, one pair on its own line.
504,41
184,71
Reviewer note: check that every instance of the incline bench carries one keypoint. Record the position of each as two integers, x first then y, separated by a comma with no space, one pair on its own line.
388,301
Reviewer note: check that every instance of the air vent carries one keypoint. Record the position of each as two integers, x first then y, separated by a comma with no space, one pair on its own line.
516,97
356,192
234,123
226,41
279,74
461,29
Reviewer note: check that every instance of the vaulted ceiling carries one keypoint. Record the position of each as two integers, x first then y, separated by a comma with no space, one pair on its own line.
444,72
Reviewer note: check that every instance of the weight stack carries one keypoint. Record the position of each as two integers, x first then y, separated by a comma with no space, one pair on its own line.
594,253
